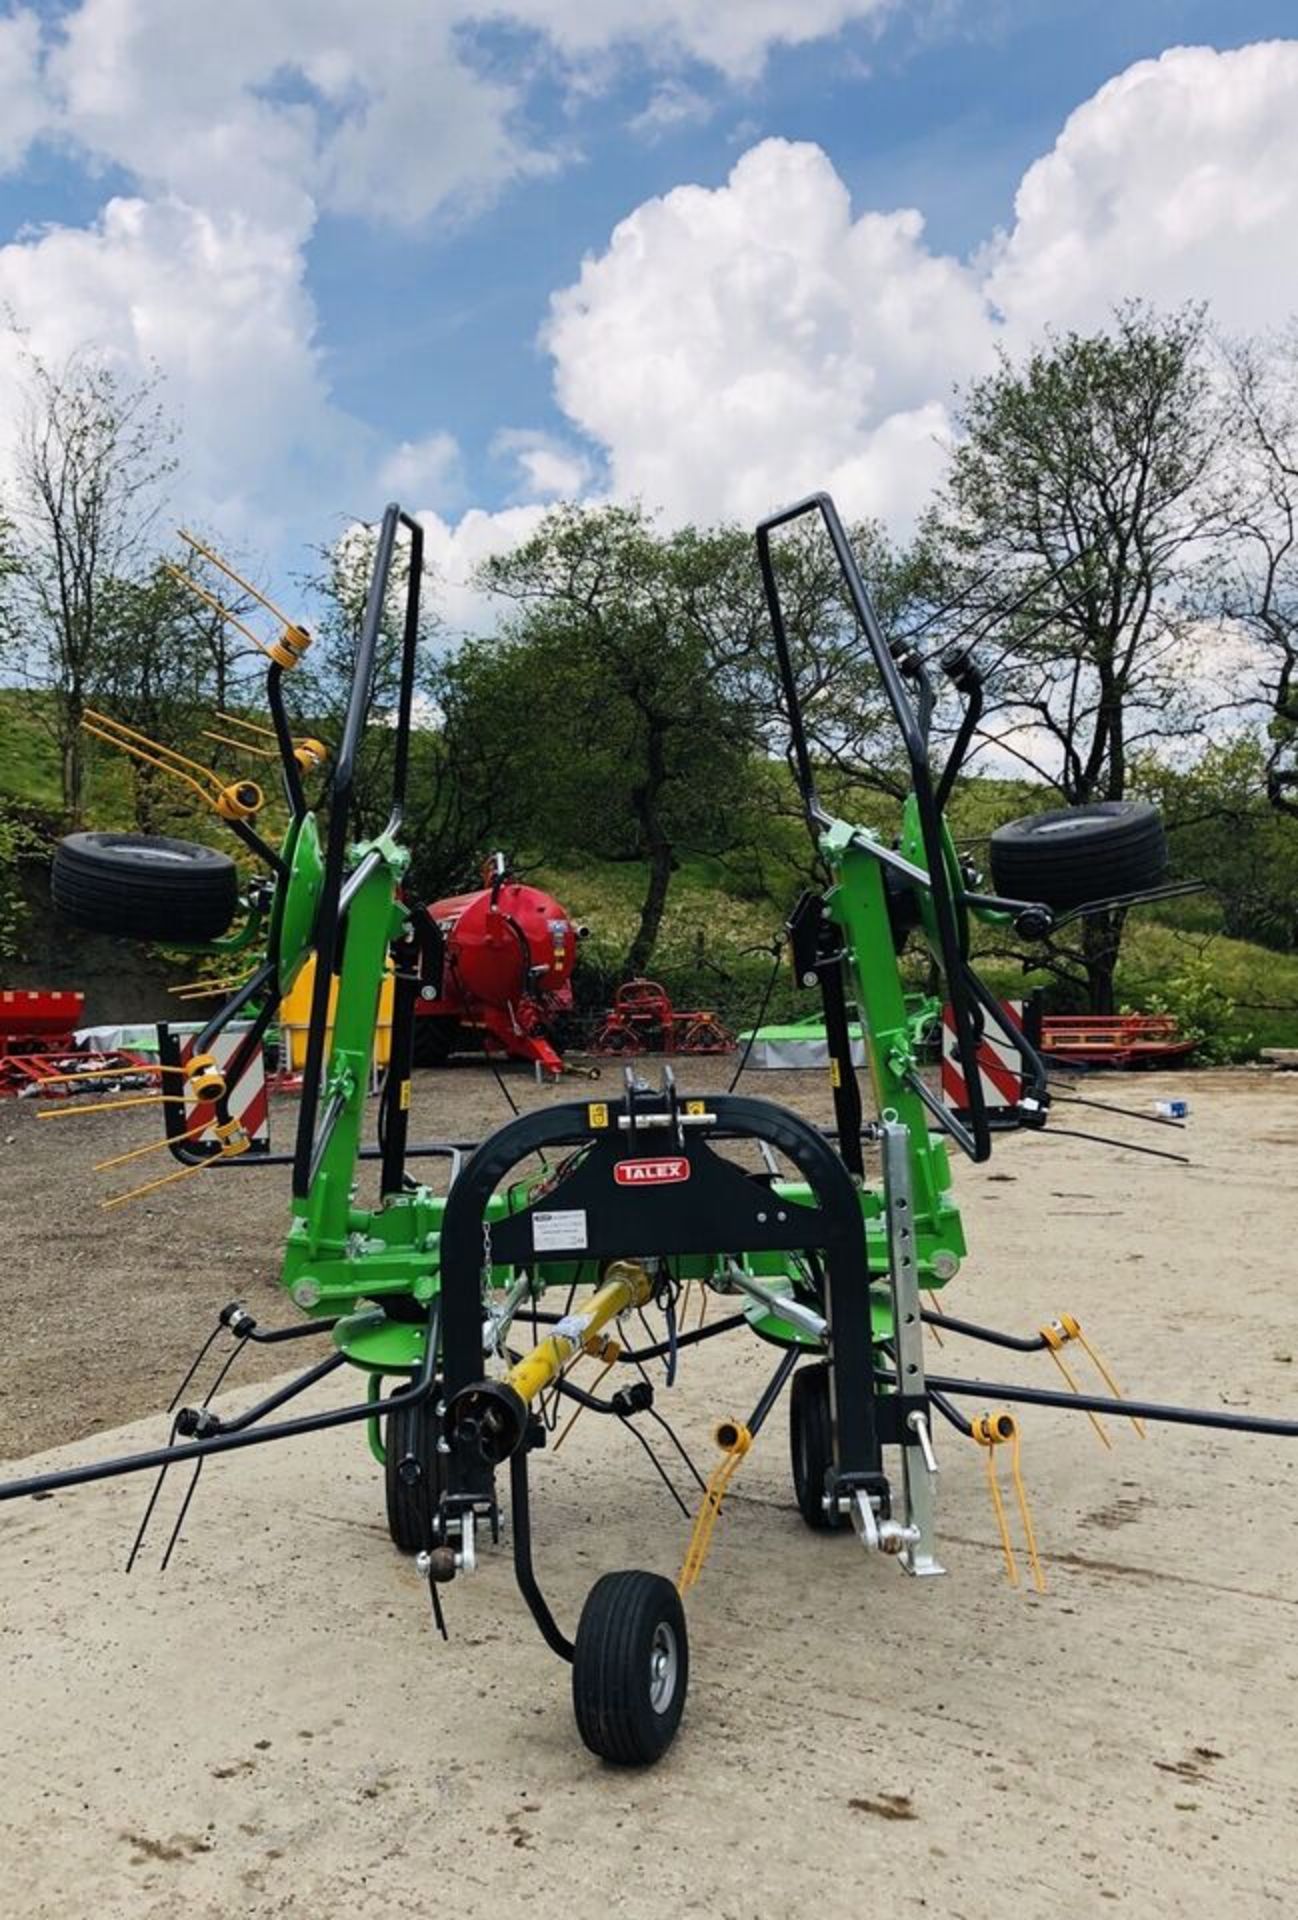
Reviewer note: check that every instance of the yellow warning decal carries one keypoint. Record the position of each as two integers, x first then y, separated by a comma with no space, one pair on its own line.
405,1096
597,1114
835,1077
696,1106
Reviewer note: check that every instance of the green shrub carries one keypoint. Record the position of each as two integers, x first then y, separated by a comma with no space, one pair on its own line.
1204,1011
21,840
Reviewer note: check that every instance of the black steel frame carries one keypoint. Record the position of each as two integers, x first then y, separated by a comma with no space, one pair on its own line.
332,911
716,1211
975,1138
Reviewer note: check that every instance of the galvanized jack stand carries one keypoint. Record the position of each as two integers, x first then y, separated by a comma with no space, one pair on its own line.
919,1460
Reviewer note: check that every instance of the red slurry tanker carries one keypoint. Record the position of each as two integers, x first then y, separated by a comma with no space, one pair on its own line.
507,960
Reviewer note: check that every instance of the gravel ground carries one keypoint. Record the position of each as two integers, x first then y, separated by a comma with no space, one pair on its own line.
273,1730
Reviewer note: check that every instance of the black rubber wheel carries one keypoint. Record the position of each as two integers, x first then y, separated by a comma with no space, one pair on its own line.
144,886
811,1444
630,1668
434,1037
412,1503
1072,855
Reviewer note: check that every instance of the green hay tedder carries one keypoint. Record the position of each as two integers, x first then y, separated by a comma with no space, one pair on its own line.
613,1208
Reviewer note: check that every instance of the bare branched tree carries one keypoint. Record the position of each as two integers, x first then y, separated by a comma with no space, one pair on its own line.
94,449
849,732
1086,491
322,686
1259,564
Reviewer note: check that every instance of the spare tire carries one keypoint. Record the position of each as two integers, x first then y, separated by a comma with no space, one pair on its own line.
145,886
1073,855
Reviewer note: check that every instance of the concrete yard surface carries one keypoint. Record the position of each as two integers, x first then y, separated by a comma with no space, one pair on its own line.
272,1728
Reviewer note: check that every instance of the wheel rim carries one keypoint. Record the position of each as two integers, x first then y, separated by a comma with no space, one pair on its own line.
664,1665
162,857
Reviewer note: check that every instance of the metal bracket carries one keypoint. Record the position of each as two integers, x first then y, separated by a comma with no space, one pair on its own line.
796,1312
877,1534
887,857
445,1561
860,1507
919,1462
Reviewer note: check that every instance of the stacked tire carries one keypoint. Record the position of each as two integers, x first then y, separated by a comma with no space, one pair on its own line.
1071,856
145,886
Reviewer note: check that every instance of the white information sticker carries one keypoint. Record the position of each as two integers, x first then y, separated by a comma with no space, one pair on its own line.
560,1232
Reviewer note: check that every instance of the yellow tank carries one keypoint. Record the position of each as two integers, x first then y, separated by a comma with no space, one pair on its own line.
295,1017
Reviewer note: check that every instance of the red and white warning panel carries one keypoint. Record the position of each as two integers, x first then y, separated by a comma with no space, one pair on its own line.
248,1102
1000,1071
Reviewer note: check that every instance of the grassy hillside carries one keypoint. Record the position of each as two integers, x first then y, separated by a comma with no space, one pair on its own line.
1174,957
30,780
29,763
1244,996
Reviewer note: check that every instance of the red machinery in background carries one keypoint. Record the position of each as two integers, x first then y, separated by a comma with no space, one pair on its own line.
36,1029
1115,1040
39,1053
507,960
642,1019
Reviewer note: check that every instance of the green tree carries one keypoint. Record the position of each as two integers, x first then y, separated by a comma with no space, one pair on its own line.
21,842
850,732
619,683
1223,830
1083,490
162,667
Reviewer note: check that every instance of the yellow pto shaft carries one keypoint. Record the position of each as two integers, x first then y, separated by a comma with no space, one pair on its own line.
493,1414
626,1284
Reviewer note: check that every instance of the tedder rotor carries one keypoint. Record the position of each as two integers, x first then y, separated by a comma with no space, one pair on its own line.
639,1199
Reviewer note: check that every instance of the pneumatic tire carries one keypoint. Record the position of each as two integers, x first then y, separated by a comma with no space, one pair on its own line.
1070,856
434,1037
411,1435
811,1444
630,1668
145,886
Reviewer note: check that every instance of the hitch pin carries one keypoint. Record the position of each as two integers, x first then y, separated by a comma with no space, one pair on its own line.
444,1562
878,1535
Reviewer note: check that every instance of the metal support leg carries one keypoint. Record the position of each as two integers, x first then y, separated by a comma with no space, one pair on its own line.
919,1463
551,1632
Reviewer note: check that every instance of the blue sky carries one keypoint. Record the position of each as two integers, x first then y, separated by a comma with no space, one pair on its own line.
213,190
945,117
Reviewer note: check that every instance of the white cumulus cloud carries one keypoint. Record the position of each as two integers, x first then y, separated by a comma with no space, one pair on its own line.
734,36
1177,181
218,305
736,346
426,469
24,109
455,550
547,468
727,347
236,126
257,105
